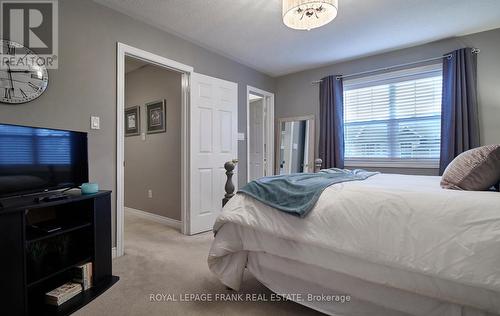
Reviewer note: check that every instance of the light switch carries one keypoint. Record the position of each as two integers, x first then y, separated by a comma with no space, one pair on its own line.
95,122
241,136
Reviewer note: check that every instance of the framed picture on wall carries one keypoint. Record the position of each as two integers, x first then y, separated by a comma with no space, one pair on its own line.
132,121
156,117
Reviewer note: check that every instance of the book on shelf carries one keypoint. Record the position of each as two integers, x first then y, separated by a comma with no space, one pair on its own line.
63,293
83,274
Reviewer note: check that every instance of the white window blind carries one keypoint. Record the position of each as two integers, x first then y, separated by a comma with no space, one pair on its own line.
394,119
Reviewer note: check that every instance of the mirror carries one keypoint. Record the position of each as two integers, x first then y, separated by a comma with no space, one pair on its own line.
295,139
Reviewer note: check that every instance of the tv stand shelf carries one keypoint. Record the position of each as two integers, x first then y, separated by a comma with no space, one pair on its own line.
80,300
55,273
35,236
41,241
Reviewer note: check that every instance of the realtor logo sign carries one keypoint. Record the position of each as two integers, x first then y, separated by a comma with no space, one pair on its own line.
33,24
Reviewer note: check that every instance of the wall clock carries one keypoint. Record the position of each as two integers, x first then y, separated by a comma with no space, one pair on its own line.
22,78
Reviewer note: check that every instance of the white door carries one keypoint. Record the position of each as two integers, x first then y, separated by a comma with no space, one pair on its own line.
214,140
257,133
287,148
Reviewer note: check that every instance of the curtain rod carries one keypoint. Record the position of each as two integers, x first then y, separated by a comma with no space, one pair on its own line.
474,51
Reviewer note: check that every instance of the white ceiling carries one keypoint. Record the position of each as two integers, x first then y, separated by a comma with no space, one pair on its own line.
252,32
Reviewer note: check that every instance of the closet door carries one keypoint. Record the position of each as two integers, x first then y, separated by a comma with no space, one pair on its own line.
213,134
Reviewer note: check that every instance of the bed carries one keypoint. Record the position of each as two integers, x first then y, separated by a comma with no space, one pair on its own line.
392,244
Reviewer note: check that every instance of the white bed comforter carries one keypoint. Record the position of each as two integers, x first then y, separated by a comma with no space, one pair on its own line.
406,222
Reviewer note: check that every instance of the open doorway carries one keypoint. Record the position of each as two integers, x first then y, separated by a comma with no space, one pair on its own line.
152,144
140,59
260,131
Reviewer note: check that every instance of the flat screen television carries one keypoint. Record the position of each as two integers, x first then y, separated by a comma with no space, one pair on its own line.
36,159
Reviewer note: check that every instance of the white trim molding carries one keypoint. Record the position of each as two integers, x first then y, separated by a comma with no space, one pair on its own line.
155,218
113,252
124,50
269,108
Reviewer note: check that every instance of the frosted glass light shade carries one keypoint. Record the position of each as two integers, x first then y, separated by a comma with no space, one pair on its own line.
308,14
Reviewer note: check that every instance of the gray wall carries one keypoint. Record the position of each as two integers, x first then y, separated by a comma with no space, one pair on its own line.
85,83
154,163
295,96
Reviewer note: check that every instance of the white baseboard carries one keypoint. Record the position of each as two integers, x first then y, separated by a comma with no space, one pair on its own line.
156,218
113,252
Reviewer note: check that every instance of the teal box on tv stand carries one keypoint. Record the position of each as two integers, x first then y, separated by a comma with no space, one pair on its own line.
90,188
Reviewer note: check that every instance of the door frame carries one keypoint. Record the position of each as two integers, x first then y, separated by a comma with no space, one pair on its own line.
124,50
269,106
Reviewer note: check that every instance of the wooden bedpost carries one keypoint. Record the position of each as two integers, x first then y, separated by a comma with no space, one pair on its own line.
317,164
229,166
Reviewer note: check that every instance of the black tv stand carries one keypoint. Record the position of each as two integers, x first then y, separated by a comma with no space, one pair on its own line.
36,260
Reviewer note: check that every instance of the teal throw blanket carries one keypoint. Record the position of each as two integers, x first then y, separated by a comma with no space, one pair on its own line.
297,193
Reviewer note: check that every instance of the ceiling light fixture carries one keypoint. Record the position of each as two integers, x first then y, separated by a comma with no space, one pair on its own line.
308,14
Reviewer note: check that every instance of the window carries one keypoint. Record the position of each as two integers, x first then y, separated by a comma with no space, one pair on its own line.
394,119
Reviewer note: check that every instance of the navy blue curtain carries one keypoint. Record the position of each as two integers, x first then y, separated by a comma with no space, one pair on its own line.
331,116
459,116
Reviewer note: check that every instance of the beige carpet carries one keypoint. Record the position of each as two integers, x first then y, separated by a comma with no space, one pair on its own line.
161,260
